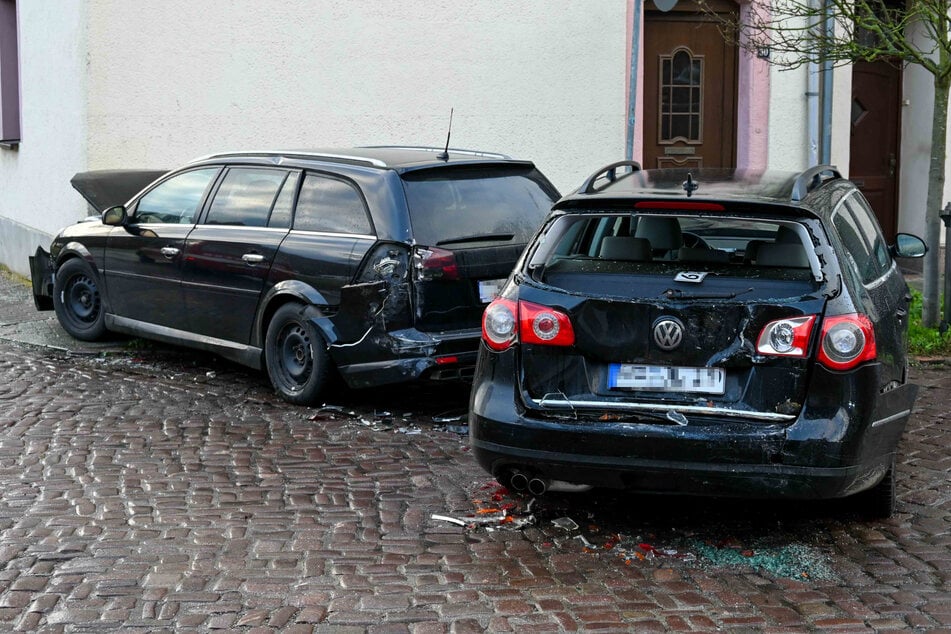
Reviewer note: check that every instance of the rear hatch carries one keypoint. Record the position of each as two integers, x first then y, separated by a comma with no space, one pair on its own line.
673,316
470,224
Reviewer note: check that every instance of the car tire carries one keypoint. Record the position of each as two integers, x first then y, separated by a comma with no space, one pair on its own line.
77,301
296,356
879,501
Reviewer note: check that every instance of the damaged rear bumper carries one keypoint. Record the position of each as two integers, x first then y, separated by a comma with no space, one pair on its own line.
833,448
408,354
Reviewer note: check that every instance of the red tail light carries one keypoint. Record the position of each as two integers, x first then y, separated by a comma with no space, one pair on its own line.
506,322
499,323
786,337
847,341
543,325
433,263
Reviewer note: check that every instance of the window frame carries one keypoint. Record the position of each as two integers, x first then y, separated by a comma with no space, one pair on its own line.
10,106
849,209
332,177
133,210
205,216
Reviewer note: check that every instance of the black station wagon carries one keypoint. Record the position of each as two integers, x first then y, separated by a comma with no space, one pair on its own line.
717,333
376,262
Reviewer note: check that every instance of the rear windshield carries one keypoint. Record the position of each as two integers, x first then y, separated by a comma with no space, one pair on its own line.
649,252
477,206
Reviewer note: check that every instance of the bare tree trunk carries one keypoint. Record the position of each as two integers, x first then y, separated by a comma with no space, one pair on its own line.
932,264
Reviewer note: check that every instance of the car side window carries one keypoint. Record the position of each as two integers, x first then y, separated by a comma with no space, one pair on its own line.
330,205
281,214
868,225
245,197
176,200
861,248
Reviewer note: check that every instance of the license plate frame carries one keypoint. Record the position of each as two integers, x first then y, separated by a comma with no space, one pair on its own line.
663,378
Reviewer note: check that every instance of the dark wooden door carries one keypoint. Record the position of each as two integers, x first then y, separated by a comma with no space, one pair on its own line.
690,81
876,118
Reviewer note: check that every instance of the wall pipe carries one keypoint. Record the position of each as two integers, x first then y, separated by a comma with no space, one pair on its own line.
632,82
825,145
813,105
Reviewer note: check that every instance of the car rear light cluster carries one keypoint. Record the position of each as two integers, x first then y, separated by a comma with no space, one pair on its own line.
433,263
786,337
845,342
506,321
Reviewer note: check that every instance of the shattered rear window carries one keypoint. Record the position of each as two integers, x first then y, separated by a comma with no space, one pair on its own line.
646,252
482,205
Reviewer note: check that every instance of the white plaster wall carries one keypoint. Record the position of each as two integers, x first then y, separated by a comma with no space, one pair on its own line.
788,119
35,196
176,79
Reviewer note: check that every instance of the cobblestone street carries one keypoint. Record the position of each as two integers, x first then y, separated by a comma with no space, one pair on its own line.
158,489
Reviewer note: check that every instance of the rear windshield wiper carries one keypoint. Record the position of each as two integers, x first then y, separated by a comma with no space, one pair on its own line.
482,237
674,293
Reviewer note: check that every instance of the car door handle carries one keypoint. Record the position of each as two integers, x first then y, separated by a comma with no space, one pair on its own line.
253,258
169,252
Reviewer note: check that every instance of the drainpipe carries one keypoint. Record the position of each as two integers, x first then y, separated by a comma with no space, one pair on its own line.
812,104
825,147
632,85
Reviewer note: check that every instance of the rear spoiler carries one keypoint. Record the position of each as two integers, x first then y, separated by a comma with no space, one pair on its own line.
106,188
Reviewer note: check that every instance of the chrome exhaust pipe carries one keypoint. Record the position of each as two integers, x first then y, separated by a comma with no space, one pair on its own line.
537,486
518,481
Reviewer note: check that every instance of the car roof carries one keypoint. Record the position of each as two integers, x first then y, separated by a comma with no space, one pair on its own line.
607,188
398,158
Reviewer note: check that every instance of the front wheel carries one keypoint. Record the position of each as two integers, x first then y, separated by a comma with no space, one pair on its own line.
78,302
296,356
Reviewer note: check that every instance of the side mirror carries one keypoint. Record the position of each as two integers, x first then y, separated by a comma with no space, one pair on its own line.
908,246
114,216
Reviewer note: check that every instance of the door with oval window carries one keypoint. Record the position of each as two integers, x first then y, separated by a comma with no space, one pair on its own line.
690,83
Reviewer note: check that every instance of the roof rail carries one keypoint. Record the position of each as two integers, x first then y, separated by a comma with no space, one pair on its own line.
812,178
609,172
426,148
344,158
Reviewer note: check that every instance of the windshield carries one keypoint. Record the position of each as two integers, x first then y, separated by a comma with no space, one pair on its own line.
477,205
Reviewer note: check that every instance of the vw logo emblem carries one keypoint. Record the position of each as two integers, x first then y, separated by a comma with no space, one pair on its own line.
668,333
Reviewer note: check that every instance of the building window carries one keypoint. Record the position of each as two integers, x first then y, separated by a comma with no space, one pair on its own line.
9,75
681,80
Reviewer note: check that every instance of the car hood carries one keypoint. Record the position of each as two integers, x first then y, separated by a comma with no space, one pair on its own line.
107,188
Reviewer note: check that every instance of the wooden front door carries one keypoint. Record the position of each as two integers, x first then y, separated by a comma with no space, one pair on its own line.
690,80
876,118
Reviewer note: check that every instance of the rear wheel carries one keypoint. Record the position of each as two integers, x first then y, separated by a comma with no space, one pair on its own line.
879,501
78,302
296,356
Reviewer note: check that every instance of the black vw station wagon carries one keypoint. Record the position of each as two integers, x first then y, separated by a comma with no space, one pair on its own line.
377,262
720,333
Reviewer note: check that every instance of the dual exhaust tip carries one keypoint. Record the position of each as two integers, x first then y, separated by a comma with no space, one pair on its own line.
522,481
526,480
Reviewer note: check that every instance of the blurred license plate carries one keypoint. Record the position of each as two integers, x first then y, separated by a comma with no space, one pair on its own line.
662,378
489,289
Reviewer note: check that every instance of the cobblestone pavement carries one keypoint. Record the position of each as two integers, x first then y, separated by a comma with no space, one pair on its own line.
157,489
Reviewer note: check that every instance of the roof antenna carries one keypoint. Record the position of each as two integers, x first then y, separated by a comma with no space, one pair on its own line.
689,186
444,155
